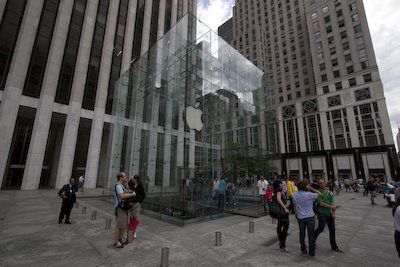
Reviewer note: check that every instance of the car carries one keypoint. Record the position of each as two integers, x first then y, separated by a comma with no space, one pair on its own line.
389,194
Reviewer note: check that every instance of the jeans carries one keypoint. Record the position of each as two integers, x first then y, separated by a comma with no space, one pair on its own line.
330,221
291,205
397,241
309,224
282,230
221,200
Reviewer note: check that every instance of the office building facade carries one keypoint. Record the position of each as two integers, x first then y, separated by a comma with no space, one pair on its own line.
328,99
59,63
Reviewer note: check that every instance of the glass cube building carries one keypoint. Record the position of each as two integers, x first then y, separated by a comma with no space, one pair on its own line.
188,113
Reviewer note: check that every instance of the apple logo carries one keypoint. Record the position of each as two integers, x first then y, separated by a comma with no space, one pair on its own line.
193,117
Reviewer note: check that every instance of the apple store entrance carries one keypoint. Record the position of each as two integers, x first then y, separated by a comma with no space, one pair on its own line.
187,119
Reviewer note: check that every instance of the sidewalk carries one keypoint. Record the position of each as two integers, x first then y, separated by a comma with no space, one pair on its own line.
30,235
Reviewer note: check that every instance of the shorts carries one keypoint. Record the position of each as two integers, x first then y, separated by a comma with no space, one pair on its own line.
121,216
135,211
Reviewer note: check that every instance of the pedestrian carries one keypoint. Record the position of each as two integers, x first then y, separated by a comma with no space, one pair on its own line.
396,218
262,185
215,185
371,187
283,222
221,193
326,214
347,185
337,186
81,181
291,189
121,211
136,185
304,201
67,193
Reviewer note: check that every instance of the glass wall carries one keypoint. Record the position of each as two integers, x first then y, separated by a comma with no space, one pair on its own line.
185,117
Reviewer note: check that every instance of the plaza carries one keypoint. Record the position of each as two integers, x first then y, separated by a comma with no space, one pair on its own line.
29,235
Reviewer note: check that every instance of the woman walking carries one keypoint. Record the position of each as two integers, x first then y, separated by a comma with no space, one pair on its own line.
283,221
136,186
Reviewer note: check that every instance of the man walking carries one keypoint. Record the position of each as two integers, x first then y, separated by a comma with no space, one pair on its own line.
67,193
262,185
121,215
304,201
347,185
326,214
221,193
371,187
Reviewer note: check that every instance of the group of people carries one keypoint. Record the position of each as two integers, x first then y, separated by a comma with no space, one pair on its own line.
306,202
225,190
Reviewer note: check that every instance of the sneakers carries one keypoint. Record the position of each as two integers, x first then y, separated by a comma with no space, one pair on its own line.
338,250
134,235
124,241
118,244
67,222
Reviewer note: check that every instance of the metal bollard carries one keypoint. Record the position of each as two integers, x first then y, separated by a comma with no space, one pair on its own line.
164,257
251,227
83,210
218,239
108,223
94,215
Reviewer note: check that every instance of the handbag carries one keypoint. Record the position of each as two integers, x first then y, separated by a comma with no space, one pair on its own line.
275,209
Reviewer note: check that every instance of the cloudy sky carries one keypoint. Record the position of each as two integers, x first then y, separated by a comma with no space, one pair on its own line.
382,18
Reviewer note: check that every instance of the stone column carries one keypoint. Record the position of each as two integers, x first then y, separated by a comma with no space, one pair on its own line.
78,85
96,132
37,146
185,7
16,78
174,12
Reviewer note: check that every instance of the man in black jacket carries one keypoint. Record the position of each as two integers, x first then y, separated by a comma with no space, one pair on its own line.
67,193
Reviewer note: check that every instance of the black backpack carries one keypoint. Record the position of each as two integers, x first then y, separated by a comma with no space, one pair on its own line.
275,209
125,204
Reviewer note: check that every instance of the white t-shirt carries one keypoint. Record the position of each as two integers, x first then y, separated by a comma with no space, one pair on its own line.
262,186
81,179
119,189
215,185
397,219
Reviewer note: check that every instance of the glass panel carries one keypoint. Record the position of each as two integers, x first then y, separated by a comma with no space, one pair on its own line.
186,115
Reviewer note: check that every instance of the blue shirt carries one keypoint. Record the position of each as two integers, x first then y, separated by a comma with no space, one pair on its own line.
222,186
304,201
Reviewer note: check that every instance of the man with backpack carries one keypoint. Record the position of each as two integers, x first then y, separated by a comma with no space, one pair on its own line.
121,209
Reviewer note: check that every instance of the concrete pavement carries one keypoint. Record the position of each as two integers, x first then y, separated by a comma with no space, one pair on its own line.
30,235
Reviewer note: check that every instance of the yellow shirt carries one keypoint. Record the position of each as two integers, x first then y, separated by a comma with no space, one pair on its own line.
291,188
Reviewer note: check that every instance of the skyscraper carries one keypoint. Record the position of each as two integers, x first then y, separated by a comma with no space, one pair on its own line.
328,98
59,63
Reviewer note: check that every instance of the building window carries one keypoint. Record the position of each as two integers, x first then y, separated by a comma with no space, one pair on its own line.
353,6
352,82
310,106
318,45
362,52
314,15
289,111
325,9
11,22
331,40
334,62
339,13
321,55
336,73
343,34
281,99
346,45
329,29
316,25
362,94
322,66
341,23
327,19
357,28
334,101
289,97
355,17
350,69
332,50
338,86
324,78
347,57
364,64
367,78
317,35
325,89
298,94
360,40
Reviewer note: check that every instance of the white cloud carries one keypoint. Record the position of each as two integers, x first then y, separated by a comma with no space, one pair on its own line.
383,17
214,12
